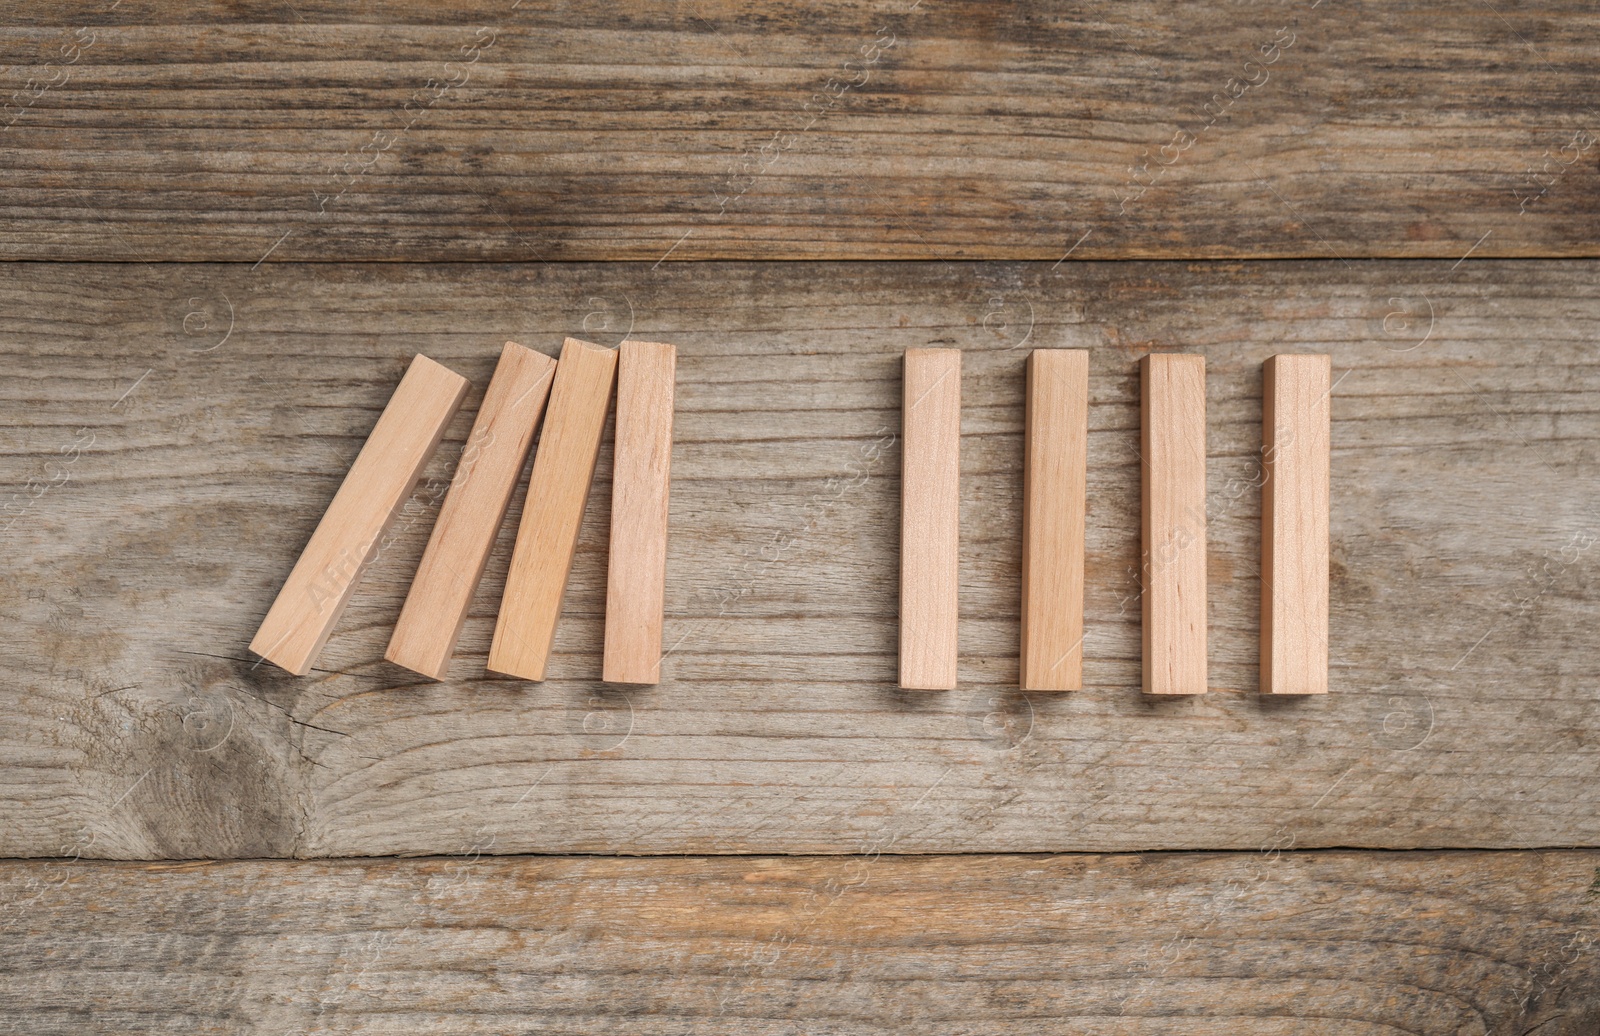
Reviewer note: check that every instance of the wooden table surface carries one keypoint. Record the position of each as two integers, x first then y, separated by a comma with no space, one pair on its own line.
229,226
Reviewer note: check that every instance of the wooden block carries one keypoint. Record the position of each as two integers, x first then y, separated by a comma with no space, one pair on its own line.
930,518
636,577
1173,426
436,606
347,538
1296,427
563,468
1055,474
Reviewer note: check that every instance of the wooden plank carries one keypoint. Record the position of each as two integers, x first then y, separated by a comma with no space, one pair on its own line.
1172,416
930,519
558,489
351,532
1296,411
1055,477
470,518
636,567
901,131
1266,943
1463,567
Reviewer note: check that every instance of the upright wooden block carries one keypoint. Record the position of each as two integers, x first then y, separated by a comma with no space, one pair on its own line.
930,518
636,577
436,606
1053,501
1173,425
563,468
1295,439
348,537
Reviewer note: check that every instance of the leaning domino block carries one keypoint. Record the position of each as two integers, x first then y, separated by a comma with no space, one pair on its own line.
563,469
636,578
348,537
441,593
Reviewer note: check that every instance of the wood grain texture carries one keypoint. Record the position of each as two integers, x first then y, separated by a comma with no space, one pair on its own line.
641,489
1296,398
1172,440
474,508
962,129
154,520
558,490
1055,477
930,519
351,531
1261,943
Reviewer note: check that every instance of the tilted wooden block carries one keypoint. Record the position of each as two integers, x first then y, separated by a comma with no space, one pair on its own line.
1056,461
1296,429
1173,426
491,461
352,528
930,518
563,468
636,577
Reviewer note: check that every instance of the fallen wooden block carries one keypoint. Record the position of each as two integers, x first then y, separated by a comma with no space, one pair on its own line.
441,593
558,489
1296,428
1173,426
351,530
1054,480
636,575
930,518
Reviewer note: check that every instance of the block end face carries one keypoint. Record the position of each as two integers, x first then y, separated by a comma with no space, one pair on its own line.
1050,684
416,663
281,659
515,671
631,677
517,665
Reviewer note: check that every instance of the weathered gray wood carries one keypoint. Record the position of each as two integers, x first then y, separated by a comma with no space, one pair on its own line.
1260,944
1464,600
895,129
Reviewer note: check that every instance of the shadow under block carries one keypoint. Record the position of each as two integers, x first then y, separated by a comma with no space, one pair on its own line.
1296,411
558,489
930,512
636,569
1055,474
348,537
1172,394
491,461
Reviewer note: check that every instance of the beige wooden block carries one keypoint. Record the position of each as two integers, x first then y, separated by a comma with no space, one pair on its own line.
1054,482
1296,430
930,518
441,592
346,540
558,489
636,575
1173,518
